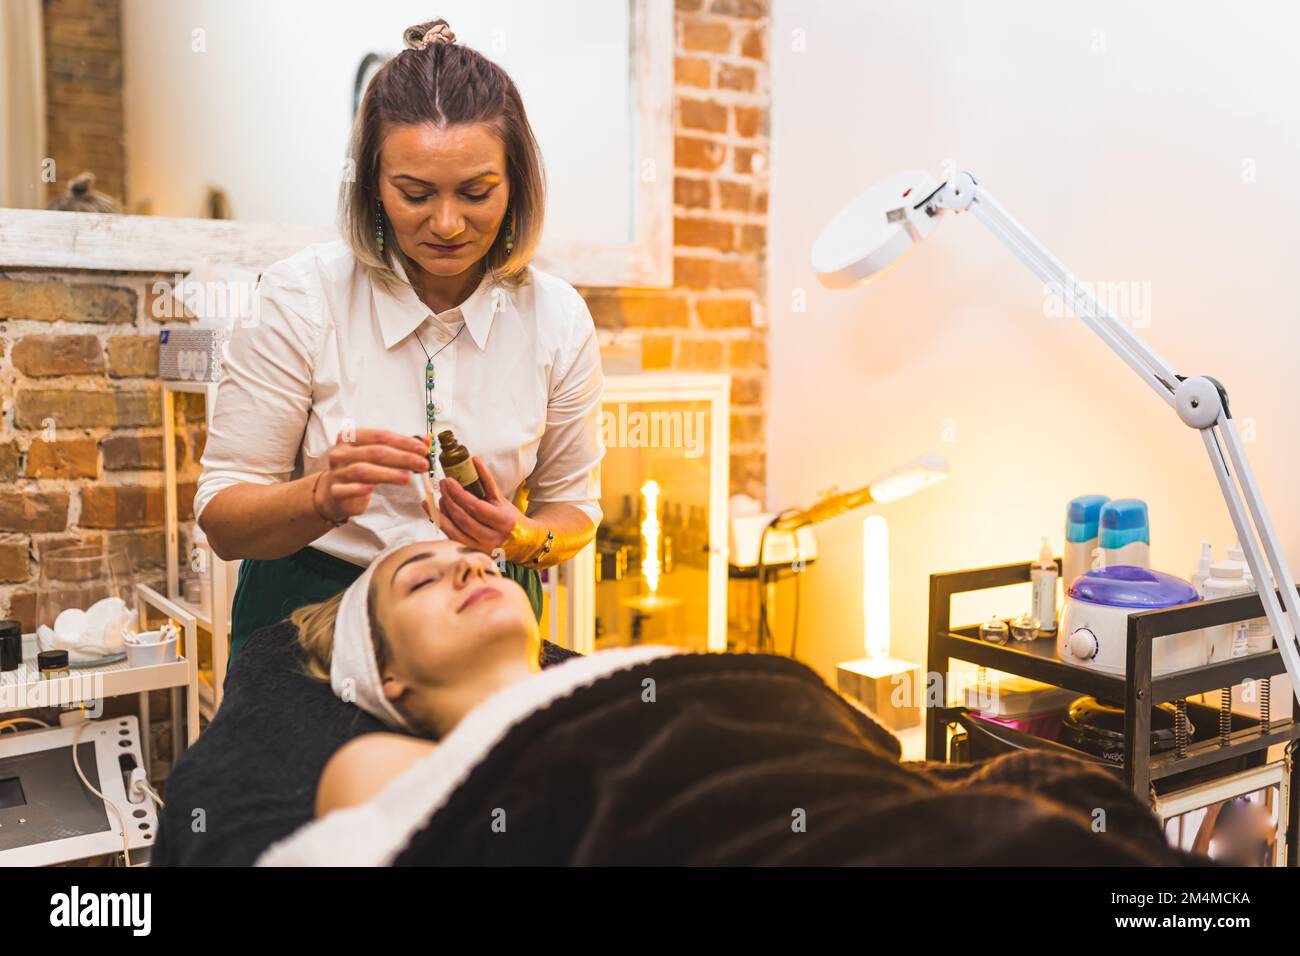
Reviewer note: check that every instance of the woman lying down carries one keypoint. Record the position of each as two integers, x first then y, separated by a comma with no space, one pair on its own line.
645,755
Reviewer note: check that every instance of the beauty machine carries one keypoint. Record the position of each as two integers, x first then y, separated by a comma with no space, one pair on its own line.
49,814
874,230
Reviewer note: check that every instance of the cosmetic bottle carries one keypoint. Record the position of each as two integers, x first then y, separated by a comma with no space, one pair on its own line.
1081,523
456,463
1259,634
1043,582
1125,534
1226,641
52,664
11,645
1202,572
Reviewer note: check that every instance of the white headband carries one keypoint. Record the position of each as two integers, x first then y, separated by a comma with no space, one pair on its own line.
354,671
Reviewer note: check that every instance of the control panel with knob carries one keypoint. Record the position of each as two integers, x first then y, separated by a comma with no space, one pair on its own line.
1084,644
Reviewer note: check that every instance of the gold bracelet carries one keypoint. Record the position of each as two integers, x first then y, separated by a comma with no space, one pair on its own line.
546,549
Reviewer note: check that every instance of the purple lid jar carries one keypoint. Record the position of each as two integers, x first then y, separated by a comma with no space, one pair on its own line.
1126,586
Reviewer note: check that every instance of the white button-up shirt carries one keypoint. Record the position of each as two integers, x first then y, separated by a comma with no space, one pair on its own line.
326,350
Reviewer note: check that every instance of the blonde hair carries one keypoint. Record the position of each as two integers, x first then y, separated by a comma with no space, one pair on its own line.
435,80
315,623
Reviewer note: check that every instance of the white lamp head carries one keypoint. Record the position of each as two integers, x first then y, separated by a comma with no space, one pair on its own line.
910,478
873,231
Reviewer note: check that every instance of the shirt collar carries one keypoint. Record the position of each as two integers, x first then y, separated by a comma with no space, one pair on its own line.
401,312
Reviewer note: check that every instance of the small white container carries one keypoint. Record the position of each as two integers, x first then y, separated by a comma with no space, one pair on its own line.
1259,633
157,652
1226,641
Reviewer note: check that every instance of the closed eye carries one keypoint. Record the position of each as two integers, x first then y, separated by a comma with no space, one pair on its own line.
416,200
430,580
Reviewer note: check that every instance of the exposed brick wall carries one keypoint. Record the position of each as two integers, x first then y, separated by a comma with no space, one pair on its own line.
81,439
81,436
83,94
714,316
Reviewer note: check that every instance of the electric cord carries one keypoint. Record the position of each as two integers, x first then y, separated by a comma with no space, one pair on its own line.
12,724
761,570
766,639
121,817
794,631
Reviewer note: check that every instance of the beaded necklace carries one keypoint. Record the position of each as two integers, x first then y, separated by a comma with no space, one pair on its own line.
431,408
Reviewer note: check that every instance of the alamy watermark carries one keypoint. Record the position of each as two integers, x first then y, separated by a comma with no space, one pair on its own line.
624,428
1128,301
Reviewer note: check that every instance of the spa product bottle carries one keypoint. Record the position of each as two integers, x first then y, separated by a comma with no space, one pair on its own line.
1259,633
1043,577
456,463
625,530
1202,572
1226,641
11,645
1081,523
698,540
667,536
52,664
1125,533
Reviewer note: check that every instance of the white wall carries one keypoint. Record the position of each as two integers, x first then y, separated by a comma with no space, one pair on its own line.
256,98
1151,143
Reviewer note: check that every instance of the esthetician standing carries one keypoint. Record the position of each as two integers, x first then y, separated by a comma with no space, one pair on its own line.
425,316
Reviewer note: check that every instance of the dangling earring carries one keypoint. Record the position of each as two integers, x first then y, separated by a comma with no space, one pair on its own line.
379,225
510,233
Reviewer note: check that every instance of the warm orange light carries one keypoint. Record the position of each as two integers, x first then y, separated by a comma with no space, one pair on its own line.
650,535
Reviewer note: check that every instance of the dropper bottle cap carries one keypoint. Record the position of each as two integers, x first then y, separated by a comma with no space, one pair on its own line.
1206,559
1238,556
1225,570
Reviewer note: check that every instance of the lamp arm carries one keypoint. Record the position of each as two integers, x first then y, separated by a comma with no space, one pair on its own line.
1201,402
963,192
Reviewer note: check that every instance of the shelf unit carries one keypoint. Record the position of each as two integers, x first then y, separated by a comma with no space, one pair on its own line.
1138,692
26,689
216,623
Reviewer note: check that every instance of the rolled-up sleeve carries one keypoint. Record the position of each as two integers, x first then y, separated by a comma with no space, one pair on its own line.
571,449
266,389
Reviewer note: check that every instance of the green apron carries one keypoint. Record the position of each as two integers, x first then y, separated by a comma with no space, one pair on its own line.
269,591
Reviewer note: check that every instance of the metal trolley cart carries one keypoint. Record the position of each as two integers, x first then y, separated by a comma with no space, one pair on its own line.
1233,740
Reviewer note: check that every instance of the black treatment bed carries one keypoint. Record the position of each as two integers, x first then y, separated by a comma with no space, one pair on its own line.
741,759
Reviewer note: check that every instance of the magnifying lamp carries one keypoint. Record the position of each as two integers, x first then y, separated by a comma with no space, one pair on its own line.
870,234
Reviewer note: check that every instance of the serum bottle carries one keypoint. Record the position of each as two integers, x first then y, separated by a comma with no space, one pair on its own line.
1043,575
457,464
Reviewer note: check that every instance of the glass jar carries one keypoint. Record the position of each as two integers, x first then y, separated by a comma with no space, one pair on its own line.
85,601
